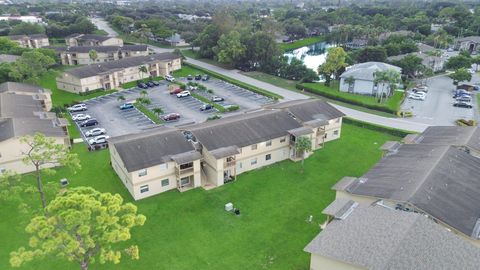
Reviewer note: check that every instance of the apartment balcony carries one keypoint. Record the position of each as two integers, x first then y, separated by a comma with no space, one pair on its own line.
183,172
231,163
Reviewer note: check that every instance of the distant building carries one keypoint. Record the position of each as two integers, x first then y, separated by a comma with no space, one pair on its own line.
27,19
364,79
436,63
176,40
357,43
92,40
8,58
80,55
468,43
110,75
31,41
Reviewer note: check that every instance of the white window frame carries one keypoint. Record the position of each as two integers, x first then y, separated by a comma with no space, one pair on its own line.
142,172
168,182
144,188
268,157
253,161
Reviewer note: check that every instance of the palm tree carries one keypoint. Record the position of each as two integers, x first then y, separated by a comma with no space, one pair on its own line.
390,77
379,78
350,80
157,111
121,98
143,93
93,55
303,145
143,69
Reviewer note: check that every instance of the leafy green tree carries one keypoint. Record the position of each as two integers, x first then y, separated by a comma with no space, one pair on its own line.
410,64
121,98
377,53
294,27
476,61
263,51
229,49
43,152
208,39
303,145
460,75
458,62
83,226
143,93
335,61
30,66
24,28
390,78
93,55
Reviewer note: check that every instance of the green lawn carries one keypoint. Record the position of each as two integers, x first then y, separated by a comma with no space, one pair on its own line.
148,113
185,71
392,105
300,43
191,230
60,97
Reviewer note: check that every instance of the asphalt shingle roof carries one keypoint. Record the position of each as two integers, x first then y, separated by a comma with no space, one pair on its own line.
309,109
100,38
365,71
103,49
21,87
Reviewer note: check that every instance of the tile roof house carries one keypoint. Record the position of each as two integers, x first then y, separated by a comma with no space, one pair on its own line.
31,41
80,55
219,150
113,74
92,40
376,237
363,75
24,111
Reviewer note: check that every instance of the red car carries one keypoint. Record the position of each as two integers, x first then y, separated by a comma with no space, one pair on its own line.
176,91
171,117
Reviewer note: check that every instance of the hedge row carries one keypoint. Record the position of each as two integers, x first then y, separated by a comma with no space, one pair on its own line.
346,100
383,129
236,82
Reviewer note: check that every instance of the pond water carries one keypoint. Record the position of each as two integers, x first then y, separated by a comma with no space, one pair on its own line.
312,56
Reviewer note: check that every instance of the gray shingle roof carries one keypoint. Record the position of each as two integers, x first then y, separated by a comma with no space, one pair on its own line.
103,49
378,238
89,37
32,36
440,180
140,151
365,71
475,39
451,135
244,129
95,69
309,109
12,105
21,87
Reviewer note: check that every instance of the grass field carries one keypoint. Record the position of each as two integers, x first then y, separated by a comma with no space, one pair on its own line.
300,43
191,230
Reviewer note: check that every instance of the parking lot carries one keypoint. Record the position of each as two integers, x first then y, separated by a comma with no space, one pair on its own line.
437,108
116,122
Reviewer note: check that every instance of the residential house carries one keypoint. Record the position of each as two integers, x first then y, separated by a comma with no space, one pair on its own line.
357,43
219,150
75,40
80,55
364,78
377,237
434,173
31,41
468,43
24,111
109,75
436,63
176,40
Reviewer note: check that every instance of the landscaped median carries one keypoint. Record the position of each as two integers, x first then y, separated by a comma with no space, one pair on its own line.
151,115
391,105
235,82
204,99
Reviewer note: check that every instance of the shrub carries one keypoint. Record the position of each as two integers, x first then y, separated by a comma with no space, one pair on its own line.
464,122
233,108
388,130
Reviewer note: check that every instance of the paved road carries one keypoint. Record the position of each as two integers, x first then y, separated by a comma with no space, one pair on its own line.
287,94
103,25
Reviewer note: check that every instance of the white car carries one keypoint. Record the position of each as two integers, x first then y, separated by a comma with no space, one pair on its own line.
416,96
95,132
183,94
99,139
77,108
169,78
471,71
81,117
217,99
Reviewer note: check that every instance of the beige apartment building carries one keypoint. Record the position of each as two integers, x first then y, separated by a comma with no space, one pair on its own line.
24,111
31,41
80,55
110,75
213,153
75,40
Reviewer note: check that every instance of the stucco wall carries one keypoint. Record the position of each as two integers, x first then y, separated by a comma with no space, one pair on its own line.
318,262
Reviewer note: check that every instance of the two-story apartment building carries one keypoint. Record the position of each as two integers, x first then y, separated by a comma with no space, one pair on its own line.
24,111
110,75
227,147
31,41
74,40
80,55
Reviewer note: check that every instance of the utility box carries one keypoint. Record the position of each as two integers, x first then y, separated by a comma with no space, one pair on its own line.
229,206
63,182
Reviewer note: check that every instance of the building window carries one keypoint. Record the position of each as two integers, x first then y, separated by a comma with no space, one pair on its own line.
240,165
269,143
335,133
253,161
142,172
163,166
165,182
143,188
254,147
268,157
282,140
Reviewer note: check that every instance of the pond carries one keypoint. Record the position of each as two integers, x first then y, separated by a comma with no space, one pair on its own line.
312,56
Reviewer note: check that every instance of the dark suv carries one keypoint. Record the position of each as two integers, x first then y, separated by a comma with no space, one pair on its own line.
89,123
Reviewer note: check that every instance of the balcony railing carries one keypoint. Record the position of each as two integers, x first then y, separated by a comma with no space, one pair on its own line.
181,172
231,163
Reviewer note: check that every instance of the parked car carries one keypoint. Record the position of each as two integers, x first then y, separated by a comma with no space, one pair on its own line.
99,139
77,108
150,84
81,117
183,94
171,117
423,88
462,104
205,78
156,83
464,99
206,107
416,96
95,132
217,99
176,91
189,77
198,77
89,123
169,78
142,85
126,106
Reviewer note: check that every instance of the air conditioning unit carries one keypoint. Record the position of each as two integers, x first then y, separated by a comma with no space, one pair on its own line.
229,207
